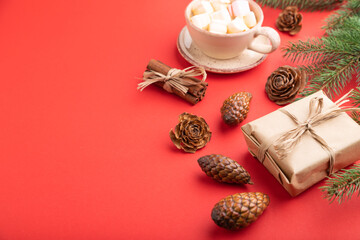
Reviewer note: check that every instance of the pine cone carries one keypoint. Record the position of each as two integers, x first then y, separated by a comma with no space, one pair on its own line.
235,108
191,134
239,210
289,20
284,84
224,169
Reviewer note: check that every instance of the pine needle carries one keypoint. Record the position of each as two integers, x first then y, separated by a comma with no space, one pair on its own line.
342,185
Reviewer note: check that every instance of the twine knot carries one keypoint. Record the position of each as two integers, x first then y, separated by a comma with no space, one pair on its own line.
307,126
284,144
174,72
174,79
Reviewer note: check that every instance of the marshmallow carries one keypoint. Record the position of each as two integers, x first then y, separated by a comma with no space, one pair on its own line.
217,27
240,8
217,5
237,25
221,16
250,19
201,7
201,20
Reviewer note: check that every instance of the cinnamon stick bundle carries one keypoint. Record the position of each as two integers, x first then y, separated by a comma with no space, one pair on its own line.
194,93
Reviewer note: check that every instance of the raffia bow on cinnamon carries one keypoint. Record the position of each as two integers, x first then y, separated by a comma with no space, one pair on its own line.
179,82
284,144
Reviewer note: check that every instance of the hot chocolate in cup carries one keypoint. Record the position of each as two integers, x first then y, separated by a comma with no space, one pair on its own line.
225,46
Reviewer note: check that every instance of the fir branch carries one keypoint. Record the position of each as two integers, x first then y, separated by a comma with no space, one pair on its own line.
310,5
304,50
340,43
356,117
333,60
320,49
351,8
357,76
334,77
355,96
342,185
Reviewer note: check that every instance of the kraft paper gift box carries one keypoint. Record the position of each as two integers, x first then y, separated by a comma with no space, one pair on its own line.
324,145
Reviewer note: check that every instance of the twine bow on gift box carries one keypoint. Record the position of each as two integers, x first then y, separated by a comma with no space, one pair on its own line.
284,144
175,78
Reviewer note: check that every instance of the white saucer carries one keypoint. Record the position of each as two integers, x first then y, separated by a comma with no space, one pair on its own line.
247,60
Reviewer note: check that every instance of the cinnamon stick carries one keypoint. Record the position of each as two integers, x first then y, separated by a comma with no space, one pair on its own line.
195,92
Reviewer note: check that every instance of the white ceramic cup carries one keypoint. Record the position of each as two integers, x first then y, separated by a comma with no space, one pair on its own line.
225,46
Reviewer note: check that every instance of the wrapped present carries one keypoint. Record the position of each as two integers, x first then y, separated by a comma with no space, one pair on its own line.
304,142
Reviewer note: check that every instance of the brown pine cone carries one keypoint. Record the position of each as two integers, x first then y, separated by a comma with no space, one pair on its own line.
239,210
289,20
284,84
224,169
191,134
235,108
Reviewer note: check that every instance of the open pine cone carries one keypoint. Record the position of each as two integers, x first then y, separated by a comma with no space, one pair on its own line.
191,134
289,20
284,84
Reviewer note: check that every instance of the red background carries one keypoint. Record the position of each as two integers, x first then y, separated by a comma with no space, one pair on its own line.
84,155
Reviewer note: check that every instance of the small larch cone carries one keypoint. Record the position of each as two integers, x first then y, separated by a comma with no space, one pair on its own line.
235,108
239,210
289,20
284,84
224,169
191,133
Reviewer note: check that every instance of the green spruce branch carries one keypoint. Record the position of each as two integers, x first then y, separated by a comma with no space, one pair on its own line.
309,5
356,117
355,96
351,8
342,185
332,60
